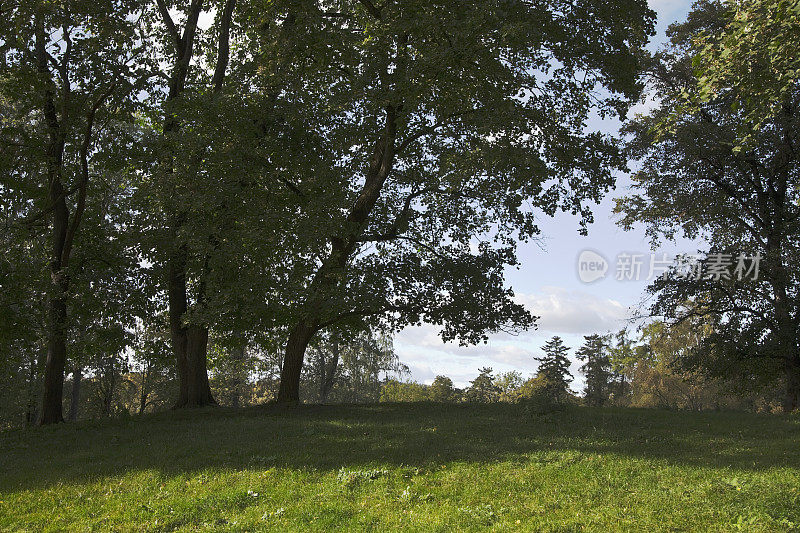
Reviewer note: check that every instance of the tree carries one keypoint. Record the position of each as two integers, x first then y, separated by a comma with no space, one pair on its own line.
23,317
719,161
69,70
482,389
152,368
399,391
189,341
755,54
658,374
466,121
239,152
624,354
366,360
326,354
597,369
441,390
509,384
554,370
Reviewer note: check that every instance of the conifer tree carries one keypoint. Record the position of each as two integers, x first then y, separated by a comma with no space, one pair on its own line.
554,370
597,369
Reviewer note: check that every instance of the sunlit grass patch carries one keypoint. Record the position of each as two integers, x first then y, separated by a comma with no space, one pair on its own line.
412,467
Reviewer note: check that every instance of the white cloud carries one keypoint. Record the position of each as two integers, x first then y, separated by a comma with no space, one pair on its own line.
574,312
570,313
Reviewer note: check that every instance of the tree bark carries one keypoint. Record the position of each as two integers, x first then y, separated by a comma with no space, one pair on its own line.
30,412
57,312
64,229
75,396
198,386
299,337
791,399
238,357
328,370
176,294
189,343
56,358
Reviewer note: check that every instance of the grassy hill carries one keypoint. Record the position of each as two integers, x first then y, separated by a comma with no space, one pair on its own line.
411,466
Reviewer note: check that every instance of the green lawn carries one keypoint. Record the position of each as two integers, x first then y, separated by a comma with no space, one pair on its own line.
410,466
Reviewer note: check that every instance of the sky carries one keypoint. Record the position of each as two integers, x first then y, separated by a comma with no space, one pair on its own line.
549,285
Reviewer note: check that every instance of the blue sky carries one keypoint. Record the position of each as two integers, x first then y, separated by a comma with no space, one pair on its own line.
548,284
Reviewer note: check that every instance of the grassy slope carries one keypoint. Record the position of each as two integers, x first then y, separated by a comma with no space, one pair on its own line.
415,467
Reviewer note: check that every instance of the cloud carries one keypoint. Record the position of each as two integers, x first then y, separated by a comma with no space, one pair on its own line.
570,313
574,312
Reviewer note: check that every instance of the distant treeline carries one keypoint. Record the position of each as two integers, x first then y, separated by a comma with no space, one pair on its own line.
650,372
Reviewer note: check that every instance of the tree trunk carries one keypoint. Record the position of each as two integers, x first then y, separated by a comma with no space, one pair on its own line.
57,323
329,371
176,290
333,270
109,384
299,337
143,401
144,391
198,387
75,397
30,413
792,396
238,356
56,354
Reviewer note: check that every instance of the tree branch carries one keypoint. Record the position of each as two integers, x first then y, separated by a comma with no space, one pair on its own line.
223,52
84,155
170,24
372,9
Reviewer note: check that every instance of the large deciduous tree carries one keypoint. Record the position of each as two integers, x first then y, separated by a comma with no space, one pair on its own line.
720,160
452,127
68,68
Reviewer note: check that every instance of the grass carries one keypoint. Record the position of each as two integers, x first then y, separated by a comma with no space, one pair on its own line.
412,467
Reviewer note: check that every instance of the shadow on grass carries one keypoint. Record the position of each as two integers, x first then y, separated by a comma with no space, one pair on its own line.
326,438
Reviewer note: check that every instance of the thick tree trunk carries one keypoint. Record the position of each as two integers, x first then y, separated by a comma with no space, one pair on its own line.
52,412
198,387
299,337
189,343
176,293
75,397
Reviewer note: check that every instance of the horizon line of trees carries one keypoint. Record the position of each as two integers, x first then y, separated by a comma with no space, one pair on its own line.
649,371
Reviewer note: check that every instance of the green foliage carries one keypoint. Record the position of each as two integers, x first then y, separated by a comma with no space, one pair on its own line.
350,367
483,389
597,370
509,384
754,56
554,371
718,162
327,165
441,390
409,391
657,370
